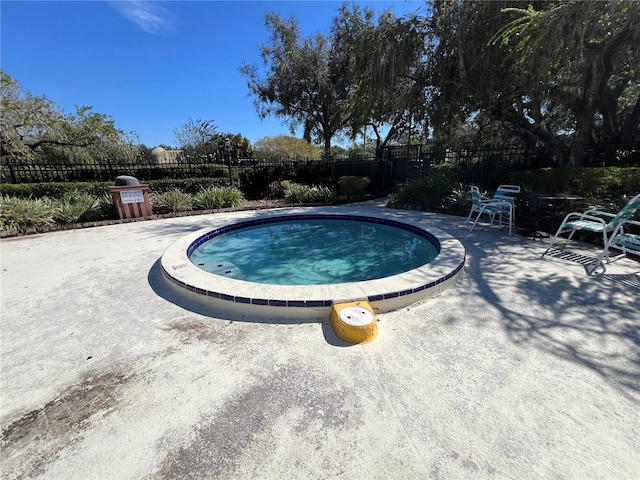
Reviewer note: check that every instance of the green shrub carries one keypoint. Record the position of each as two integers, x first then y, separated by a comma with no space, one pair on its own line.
22,213
186,185
74,207
218,197
255,182
459,200
296,193
352,187
429,192
97,189
171,201
276,190
608,185
53,190
451,171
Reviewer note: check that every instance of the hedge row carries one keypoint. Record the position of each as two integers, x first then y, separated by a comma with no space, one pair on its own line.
605,183
59,189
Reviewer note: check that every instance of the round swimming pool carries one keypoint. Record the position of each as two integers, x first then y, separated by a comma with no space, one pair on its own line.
387,258
314,251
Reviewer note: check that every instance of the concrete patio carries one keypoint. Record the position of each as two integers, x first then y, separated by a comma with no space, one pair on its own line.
526,368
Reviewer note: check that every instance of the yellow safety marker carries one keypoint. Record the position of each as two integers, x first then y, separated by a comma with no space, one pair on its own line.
354,322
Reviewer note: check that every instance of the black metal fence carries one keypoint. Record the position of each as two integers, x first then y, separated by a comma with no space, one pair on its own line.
397,165
253,175
475,164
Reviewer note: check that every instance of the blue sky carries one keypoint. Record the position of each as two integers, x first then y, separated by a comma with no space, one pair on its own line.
151,65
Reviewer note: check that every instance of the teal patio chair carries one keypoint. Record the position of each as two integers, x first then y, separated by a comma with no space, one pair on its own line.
506,193
597,221
502,209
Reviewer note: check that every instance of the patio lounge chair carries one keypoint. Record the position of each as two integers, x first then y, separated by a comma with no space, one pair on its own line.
608,224
503,209
626,242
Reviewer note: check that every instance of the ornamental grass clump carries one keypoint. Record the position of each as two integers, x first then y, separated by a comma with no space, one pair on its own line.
171,201
218,197
296,193
106,208
75,206
459,200
23,213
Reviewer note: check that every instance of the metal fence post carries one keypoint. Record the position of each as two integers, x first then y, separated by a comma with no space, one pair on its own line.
11,172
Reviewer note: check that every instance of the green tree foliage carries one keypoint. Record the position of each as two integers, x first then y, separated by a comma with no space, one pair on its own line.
366,73
384,61
304,81
284,146
240,147
35,127
591,50
563,74
472,88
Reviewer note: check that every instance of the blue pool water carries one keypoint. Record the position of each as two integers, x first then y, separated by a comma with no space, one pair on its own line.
314,252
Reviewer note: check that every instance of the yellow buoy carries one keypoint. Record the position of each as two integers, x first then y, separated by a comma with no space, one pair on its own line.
354,322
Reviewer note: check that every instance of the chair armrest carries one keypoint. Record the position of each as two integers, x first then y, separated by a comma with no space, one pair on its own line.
503,199
600,212
500,203
583,216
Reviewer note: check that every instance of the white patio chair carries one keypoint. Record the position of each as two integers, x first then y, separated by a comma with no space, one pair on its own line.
596,221
502,209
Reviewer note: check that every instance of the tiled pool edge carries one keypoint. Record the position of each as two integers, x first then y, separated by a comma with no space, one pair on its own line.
390,293
308,303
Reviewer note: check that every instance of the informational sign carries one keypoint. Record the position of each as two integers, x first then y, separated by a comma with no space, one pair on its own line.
131,196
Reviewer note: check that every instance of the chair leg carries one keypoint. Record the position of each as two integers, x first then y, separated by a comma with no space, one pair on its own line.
478,218
564,245
606,246
466,222
510,218
573,231
552,242
476,221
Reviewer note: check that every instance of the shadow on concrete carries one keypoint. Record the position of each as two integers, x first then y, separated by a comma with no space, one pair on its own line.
331,337
590,264
590,320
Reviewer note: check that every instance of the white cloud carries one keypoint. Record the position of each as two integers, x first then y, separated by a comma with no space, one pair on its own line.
149,16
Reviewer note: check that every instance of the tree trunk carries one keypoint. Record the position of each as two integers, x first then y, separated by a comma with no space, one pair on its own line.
581,140
327,147
585,109
630,128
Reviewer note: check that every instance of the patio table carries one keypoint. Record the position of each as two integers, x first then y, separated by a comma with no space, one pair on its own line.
538,205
